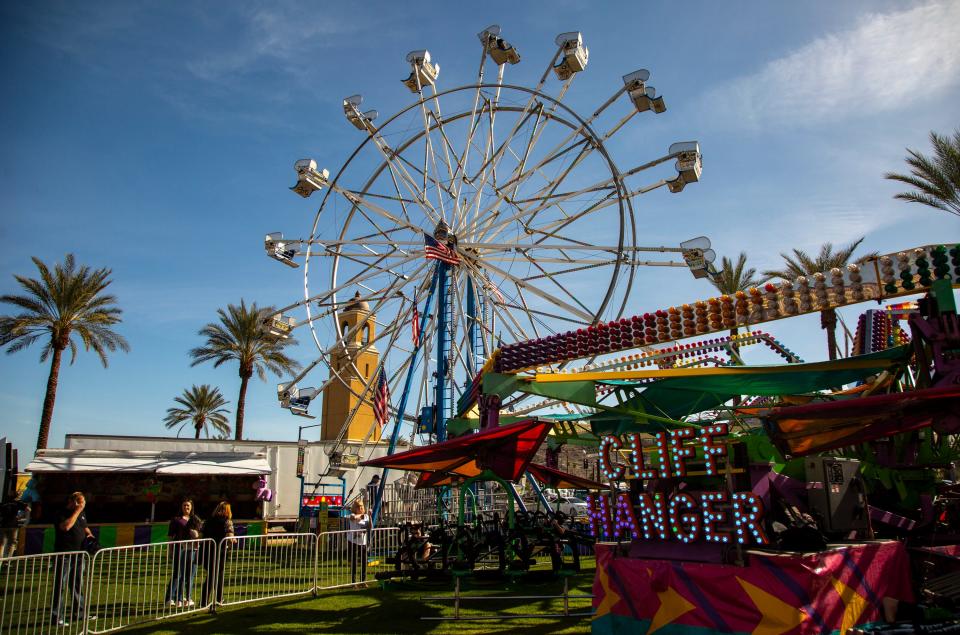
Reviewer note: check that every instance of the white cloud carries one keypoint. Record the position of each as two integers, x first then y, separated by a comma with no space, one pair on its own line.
279,33
887,62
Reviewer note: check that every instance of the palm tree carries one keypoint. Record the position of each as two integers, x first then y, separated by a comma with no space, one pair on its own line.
735,277
66,302
936,179
203,407
801,264
241,336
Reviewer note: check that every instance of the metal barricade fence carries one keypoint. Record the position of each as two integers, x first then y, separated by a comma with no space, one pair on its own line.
354,556
341,558
143,583
269,566
383,548
43,593
402,503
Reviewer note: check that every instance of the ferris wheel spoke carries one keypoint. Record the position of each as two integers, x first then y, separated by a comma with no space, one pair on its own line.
362,276
526,311
429,156
484,153
494,229
508,320
563,196
374,238
370,271
558,261
519,178
535,136
542,313
437,185
360,204
473,122
489,165
413,189
428,145
448,147
438,118
372,265
491,229
552,279
607,201
594,265
583,312
384,296
388,197
586,147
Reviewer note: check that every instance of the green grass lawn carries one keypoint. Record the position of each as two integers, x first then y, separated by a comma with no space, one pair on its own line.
397,607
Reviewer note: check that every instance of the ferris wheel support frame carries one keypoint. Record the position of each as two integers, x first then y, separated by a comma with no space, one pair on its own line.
440,395
408,382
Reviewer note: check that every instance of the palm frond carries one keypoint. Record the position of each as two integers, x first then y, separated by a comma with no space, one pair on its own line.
735,276
936,179
203,406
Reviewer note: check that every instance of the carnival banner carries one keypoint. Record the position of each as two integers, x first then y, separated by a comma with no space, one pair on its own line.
776,593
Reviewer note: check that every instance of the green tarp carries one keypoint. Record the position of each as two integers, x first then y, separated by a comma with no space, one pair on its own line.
637,406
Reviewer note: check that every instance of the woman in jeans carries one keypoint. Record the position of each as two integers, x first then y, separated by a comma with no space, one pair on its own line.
220,528
184,526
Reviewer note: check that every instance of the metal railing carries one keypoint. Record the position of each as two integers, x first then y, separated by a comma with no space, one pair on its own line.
144,583
43,593
341,558
118,587
269,566
402,503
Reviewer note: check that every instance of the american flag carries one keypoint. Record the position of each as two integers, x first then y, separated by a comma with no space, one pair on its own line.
416,326
381,400
434,250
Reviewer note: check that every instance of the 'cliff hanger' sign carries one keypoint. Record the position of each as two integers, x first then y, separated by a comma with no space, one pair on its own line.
713,516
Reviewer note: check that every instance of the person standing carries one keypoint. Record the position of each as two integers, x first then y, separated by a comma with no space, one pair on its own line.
10,514
218,527
185,526
70,531
359,523
373,492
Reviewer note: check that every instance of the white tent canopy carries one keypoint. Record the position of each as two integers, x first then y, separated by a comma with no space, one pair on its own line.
55,461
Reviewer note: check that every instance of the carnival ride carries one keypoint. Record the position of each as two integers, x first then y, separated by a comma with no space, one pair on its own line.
481,250
476,215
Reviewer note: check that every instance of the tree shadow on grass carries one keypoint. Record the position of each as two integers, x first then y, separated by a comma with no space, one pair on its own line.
399,608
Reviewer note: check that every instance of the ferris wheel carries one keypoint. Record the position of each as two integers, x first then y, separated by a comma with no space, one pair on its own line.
476,216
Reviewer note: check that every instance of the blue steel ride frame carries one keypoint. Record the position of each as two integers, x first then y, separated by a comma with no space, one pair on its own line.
440,396
438,273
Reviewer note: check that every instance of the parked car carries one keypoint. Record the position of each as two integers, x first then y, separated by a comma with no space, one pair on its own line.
571,506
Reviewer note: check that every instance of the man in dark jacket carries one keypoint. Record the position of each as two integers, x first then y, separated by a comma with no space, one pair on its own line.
70,531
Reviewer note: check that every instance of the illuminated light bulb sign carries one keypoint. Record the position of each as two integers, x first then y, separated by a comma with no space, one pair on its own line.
610,471
717,517
684,519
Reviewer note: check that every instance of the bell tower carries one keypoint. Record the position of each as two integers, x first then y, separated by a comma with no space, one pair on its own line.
356,368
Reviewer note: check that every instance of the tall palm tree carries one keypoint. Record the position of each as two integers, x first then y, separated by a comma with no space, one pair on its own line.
62,306
801,264
241,336
202,407
936,179
734,277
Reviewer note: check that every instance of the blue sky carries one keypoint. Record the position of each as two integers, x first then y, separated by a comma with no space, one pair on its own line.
157,139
